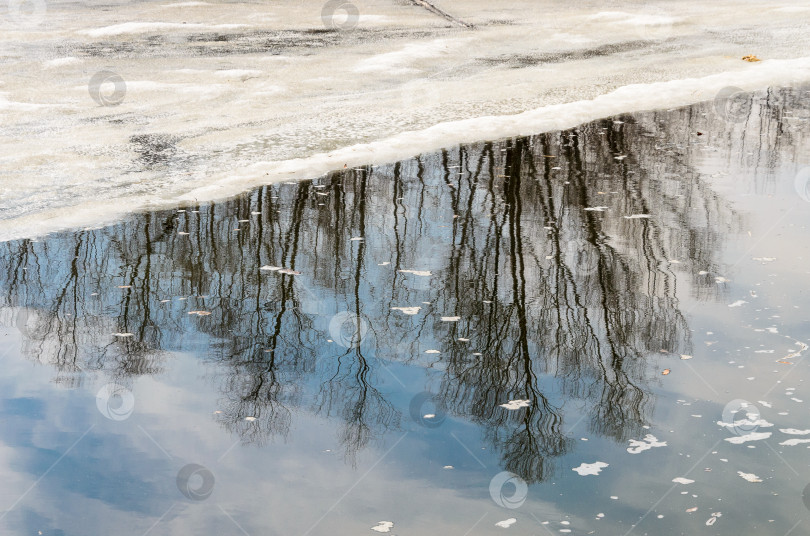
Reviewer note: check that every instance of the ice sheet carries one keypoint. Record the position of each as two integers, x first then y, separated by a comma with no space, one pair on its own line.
220,97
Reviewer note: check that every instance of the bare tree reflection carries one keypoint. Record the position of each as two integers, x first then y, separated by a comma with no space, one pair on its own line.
561,254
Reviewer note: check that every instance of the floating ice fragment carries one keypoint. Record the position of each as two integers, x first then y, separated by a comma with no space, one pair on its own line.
684,356
636,216
383,526
432,352
516,404
647,443
356,238
766,404
737,303
123,335
753,436
682,480
793,431
596,209
764,259
750,477
421,273
407,310
200,313
270,268
506,523
590,468
721,280
250,419
794,442
451,318
386,263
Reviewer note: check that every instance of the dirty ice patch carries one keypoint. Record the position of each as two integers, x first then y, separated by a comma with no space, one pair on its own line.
590,468
753,436
61,62
516,404
647,443
506,523
398,62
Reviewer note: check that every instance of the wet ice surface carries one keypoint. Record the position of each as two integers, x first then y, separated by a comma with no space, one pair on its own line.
250,364
219,97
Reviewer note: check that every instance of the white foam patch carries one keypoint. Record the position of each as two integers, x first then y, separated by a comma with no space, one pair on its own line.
590,468
155,27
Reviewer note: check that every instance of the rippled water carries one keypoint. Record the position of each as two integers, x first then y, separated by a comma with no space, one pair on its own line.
444,343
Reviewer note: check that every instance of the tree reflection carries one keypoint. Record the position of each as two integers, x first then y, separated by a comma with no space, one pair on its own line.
561,294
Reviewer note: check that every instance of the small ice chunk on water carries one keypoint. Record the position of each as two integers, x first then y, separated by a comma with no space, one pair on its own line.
750,477
407,310
746,423
356,238
270,268
432,352
506,523
766,404
636,216
794,431
753,436
794,442
383,526
682,480
123,335
516,404
596,209
451,318
737,303
685,356
590,468
647,443
420,273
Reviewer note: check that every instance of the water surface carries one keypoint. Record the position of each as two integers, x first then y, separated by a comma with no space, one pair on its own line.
338,352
